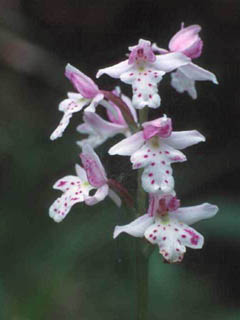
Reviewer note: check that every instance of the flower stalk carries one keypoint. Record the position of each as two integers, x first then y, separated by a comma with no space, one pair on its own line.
142,260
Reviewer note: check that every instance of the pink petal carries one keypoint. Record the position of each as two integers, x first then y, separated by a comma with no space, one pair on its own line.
93,166
81,82
187,41
141,52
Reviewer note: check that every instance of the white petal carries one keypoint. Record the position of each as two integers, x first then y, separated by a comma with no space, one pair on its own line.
144,85
130,106
61,207
164,234
195,72
116,70
100,195
95,101
115,198
182,83
170,61
81,173
58,132
135,228
183,139
66,183
96,166
156,160
190,215
128,146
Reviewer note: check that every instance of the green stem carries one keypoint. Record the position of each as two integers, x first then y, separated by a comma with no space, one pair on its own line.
141,258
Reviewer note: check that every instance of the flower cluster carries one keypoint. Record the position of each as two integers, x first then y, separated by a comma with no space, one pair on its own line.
152,145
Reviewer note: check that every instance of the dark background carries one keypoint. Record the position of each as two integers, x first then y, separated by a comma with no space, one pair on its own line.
74,270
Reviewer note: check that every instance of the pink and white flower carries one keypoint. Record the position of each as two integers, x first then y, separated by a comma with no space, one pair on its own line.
167,225
155,148
77,188
188,42
99,130
89,95
144,70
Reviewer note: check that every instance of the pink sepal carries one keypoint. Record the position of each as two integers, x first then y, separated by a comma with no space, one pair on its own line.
81,82
187,41
161,127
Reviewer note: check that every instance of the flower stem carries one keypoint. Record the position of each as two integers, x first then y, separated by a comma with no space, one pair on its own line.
141,258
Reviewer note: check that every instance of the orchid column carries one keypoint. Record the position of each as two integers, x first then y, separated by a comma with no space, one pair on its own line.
153,146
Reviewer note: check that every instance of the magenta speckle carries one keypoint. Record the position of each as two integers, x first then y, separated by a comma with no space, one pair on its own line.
163,162
150,96
155,230
150,236
150,174
154,238
153,181
153,164
164,238
62,183
139,79
150,85
139,95
166,181
183,236
145,156
167,172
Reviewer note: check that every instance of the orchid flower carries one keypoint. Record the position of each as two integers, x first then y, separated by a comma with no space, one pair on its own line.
89,95
167,225
99,130
154,149
77,188
188,42
144,70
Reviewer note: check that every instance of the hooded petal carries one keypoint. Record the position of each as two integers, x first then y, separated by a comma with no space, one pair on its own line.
128,146
194,72
116,70
81,82
187,41
93,166
170,61
136,228
190,215
100,195
183,139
